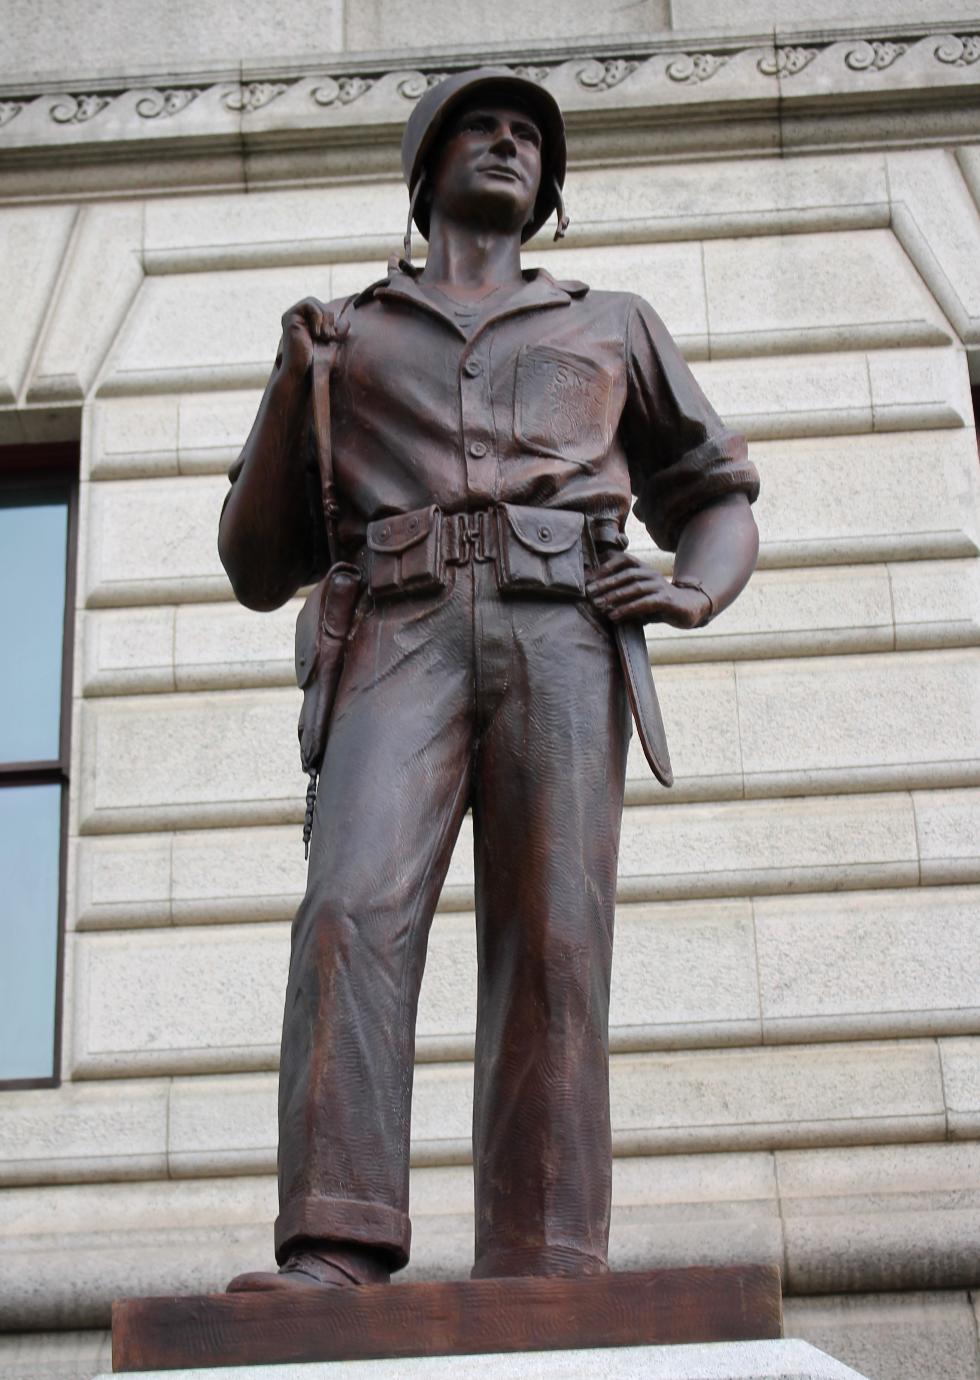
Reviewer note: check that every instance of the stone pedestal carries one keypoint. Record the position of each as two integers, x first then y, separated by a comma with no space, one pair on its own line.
467,1318
772,1360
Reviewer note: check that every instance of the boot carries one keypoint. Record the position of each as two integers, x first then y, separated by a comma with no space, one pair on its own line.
317,1265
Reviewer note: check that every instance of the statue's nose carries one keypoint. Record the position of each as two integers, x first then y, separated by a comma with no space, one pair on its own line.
504,143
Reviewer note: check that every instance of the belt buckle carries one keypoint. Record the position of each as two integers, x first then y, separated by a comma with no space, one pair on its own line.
472,540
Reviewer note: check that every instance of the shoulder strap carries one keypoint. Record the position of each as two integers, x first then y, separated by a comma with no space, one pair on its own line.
324,355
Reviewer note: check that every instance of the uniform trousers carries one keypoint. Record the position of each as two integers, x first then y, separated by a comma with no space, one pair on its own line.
515,706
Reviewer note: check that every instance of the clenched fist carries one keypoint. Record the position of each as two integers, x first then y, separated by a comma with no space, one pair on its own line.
303,325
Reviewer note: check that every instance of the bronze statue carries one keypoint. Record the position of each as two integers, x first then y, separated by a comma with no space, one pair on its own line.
459,446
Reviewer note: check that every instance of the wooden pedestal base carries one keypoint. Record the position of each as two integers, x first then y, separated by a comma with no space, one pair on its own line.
733,1303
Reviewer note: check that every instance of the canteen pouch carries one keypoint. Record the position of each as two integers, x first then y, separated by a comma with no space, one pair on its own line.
540,550
404,553
322,627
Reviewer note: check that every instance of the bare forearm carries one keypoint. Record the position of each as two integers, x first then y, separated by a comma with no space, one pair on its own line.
715,557
264,539
718,550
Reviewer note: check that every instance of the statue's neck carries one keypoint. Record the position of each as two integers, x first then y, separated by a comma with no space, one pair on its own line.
469,263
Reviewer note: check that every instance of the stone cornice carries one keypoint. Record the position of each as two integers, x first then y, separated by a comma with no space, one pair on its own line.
435,57
668,88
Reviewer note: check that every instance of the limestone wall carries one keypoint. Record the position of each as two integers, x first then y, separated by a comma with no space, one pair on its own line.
796,1010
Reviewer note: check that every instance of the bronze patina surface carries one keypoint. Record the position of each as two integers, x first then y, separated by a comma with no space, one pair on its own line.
472,443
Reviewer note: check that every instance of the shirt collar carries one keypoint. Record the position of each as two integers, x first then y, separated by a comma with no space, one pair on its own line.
538,290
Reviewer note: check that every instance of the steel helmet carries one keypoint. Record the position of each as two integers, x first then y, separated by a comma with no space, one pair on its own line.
440,102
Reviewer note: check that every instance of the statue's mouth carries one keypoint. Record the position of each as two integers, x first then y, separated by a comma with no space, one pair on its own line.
502,170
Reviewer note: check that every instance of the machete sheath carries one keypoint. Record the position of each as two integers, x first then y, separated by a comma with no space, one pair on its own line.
635,661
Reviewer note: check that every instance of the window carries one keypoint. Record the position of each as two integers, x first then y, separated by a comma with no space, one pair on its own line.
38,492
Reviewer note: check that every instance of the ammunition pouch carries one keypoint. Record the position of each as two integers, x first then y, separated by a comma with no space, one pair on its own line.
404,553
540,551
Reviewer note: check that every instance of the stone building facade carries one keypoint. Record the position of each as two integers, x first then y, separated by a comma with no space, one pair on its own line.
796,1009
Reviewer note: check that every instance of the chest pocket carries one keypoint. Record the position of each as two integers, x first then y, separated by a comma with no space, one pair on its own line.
562,405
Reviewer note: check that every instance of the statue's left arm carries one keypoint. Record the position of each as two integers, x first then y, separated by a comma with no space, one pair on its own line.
694,487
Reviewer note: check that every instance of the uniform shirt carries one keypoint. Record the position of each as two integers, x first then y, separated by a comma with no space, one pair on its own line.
554,396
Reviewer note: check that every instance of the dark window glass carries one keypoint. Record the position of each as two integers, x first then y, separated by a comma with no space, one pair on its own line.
37,525
33,542
30,844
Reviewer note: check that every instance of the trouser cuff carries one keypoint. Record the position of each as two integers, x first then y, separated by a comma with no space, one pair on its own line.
375,1225
538,1260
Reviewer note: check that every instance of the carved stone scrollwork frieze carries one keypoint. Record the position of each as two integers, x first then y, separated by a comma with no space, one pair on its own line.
874,56
40,116
76,110
162,104
341,90
959,51
254,96
414,86
9,110
603,76
417,83
538,74
786,62
694,67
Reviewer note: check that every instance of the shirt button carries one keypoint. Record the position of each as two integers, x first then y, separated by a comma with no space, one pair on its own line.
472,368
478,450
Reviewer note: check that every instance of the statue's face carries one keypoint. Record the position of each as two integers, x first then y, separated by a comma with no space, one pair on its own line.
487,169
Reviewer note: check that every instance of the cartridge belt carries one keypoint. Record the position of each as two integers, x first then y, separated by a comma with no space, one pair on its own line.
541,552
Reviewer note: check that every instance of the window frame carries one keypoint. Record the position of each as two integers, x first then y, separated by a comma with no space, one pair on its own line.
53,465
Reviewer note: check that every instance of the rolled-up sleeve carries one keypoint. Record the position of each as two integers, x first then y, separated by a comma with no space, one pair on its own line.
681,455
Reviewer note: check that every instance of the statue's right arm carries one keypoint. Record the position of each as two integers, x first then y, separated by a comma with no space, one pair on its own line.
267,537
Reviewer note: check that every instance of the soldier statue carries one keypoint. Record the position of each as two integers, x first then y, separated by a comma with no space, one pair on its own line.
452,453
